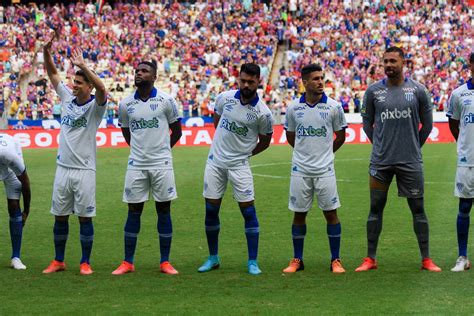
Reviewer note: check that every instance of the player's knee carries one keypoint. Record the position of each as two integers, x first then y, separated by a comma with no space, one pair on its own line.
465,206
331,217
135,207
13,205
84,220
417,206
378,198
249,213
61,218
163,207
299,218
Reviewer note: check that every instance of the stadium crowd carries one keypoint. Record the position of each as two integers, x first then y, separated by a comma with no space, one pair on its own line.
200,47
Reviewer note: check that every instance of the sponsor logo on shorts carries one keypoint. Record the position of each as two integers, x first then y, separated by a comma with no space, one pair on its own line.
415,191
90,209
292,199
170,190
334,200
395,114
468,119
463,159
142,123
373,172
234,128
248,192
310,131
70,121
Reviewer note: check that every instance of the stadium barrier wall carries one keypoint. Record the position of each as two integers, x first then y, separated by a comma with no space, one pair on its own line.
198,136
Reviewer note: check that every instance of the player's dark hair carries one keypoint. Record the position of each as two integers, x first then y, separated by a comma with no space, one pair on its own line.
81,73
471,58
395,49
152,64
251,69
306,70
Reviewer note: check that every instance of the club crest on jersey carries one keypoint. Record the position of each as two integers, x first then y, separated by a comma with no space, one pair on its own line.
310,131
409,96
324,115
234,128
154,106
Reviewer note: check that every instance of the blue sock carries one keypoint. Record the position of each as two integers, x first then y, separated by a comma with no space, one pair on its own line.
463,225
213,227
334,235
298,233
165,232
87,238
252,230
131,230
16,230
61,231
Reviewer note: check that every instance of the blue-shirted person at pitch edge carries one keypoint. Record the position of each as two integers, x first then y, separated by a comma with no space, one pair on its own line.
392,112
244,127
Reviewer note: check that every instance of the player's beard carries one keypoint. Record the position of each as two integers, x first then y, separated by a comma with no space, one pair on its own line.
248,93
143,84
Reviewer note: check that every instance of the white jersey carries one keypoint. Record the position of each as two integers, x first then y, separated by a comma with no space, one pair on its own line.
237,133
461,108
149,122
79,124
11,157
314,126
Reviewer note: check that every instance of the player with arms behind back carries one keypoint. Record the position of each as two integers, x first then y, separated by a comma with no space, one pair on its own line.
311,123
74,182
461,124
244,127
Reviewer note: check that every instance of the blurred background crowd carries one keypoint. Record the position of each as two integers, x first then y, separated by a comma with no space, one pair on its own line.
200,45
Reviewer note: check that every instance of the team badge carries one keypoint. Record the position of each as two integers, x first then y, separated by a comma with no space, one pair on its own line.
409,96
153,106
324,115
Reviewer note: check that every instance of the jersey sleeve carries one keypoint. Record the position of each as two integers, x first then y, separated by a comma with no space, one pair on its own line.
290,123
266,124
338,118
453,107
122,115
219,104
424,99
367,110
63,91
172,114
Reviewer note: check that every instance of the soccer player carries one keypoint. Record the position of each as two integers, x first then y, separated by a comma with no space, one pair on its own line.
14,176
392,112
244,127
311,123
461,108
146,118
74,182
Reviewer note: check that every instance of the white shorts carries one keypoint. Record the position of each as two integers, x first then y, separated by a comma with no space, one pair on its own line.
464,185
73,192
302,190
138,184
12,186
215,183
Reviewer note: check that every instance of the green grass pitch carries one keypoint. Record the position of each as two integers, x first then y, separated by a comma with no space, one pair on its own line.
398,286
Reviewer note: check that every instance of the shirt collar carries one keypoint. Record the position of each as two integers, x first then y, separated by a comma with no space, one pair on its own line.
92,97
252,102
153,94
324,99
